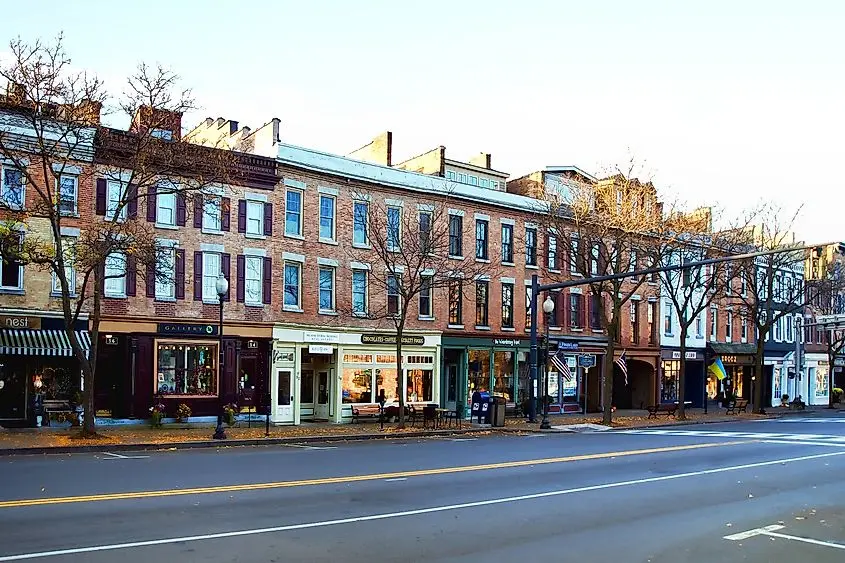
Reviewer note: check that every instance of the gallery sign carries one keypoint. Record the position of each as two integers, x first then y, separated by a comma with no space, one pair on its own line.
184,329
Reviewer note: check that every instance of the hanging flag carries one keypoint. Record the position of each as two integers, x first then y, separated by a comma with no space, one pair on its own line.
717,368
623,365
559,361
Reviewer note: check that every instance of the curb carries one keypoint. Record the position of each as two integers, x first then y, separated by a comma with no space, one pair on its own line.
207,444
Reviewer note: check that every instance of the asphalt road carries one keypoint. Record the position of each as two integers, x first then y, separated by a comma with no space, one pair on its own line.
757,492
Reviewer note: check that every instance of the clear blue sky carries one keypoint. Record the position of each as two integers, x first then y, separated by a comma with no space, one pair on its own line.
725,102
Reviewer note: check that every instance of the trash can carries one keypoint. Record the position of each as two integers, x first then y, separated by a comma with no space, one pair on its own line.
497,417
480,408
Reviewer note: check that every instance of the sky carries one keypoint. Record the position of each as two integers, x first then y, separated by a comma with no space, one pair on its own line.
727,104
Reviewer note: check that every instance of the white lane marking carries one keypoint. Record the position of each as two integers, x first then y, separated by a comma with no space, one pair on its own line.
395,479
307,447
121,456
746,435
810,420
771,531
804,443
415,512
462,439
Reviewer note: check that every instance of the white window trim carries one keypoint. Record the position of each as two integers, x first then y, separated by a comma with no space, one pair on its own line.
158,223
206,200
257,252
115,294
425,207
328,191
3,168
260,301
293,257
170,245
251,204
359,266
295,184
329,262
212,249
458,212
394,202
75,212
482,217
401,209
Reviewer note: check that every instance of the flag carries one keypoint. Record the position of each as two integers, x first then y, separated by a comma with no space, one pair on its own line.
717,368
623,365
559,361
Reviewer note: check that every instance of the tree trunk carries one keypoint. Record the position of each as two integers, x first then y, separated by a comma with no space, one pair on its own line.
831,356
681,414
399,376
607,371
759,362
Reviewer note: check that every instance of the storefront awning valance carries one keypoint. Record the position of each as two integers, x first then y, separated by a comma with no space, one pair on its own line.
720,348
41,342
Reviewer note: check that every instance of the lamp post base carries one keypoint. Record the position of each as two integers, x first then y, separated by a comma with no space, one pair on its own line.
219,432
545,424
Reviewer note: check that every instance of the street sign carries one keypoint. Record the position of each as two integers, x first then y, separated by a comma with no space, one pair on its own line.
587,360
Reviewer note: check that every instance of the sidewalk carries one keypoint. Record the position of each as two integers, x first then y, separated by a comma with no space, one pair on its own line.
639,419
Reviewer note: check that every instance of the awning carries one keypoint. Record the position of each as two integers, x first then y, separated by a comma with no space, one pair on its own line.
41,342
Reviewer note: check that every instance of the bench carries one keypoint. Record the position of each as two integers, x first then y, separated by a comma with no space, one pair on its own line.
737,406
366,411
59,411
668,409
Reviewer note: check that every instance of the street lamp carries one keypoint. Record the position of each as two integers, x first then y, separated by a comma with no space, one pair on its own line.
548,308
222,288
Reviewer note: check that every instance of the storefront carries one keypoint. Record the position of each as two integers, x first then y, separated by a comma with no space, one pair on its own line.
176,363
694,378
37,360
738,360
817,371
321,375
585,358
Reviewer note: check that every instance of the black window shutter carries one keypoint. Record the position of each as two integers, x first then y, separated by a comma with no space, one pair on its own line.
197,276
151,204
225,267
180,274
151,280
241,215
268,219
131,275
241,278
198,211
101,196
268,281
225,212
132,200
181,212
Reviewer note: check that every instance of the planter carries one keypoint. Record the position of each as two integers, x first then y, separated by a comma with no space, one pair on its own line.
156,419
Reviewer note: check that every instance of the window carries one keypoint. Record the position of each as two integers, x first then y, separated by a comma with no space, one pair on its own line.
481,239
68,244
360,218
652,262
394,227
326,289
293,271
652,322
729,328
633,263
456,235
789,333
425,297
462,178
186,368
393,297
11,190
211,270
253,280
573,258
165,281
594,259
425,232
11,274
575,307
359,292
484,183
527,307
163,134
728,280
669,382
114,200
165,206
210,212
68,194
699,330
481,303
743,284
530,246
327,206
551,258
667,319
507,305
507,244
450,175
554,316
115,273
714,316
595,311
456,302
473,180
743,328
254,217
635,322
293,213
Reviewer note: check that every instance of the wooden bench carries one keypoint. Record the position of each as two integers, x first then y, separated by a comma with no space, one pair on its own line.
737,406
365,411
668,409
58,410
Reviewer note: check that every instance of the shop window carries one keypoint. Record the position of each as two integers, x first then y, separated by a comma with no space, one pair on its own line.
306,387
386,359
387,380
357,358
479,372
419,385
503,372
357,385
669,383
821,382
185,368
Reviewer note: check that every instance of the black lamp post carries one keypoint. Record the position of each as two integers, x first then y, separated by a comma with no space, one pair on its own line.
548,309
222,287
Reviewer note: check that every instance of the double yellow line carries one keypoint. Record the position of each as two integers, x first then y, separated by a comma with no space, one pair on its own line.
349,478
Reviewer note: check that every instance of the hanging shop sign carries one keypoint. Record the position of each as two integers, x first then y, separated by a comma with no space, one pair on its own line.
183,329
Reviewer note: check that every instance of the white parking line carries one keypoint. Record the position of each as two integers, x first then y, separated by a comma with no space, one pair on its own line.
307,447
121,456
772,532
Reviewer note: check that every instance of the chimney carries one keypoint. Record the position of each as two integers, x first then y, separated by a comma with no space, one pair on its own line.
163,123
482,160
15,93
377,151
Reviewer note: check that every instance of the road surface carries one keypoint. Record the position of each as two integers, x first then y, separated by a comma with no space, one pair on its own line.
754,491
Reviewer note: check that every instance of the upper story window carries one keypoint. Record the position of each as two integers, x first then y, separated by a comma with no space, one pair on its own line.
530,246
115,275
11,274
426,310
327,302
166,208
68,244
359,292
293,212
714,322
360,220
327,217
576,308
254,280
482,295
255,217
165,279
450,175
573,256
473,180
211,215
425,220
456,302
456,235
212,265
12,187
293,275
68,194
729,326
667,319
393,296
507,305
507,244
484,183
594,259
163,134
552,257
394,227
481,239
114,201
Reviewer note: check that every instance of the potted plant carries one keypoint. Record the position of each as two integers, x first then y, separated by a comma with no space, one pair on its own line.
156,415
230,414
837,395
784,400
183,413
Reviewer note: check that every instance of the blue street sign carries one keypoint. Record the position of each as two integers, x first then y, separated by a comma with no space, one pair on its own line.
587,360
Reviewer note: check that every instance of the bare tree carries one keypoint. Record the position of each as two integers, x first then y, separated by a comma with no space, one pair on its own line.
51,135
826,273
606,228
414,262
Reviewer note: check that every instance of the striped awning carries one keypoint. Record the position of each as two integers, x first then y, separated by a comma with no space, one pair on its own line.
41,342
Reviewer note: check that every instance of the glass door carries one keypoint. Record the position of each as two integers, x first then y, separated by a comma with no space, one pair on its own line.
12,393
452,386
321,408
284,396
307,387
